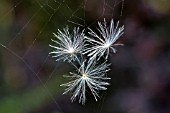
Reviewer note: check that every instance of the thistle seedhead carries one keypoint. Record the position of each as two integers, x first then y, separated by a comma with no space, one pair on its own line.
90,76
105,42
67,46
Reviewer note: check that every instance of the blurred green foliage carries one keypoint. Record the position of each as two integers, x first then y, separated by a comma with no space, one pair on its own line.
32,98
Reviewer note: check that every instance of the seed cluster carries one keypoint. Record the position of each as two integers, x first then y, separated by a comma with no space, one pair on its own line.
85,53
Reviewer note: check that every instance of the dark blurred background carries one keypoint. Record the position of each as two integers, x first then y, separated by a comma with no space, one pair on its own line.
30,79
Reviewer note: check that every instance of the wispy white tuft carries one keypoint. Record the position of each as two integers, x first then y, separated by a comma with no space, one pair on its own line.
89,76
103,43
67,46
